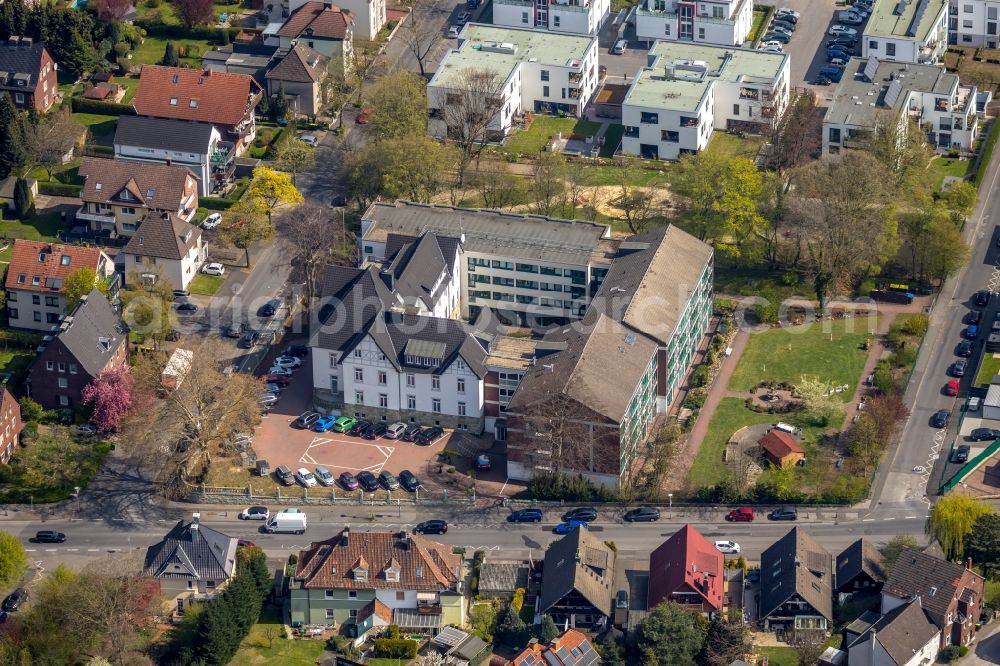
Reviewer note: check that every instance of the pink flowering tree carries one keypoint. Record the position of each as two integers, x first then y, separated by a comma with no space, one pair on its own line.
111,395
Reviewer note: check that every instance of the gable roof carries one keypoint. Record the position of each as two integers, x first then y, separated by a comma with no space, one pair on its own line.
935,581
780,444
317,20
183,136
20,63
92,333
581,371
192,550
503,575
164,236
424,565
573,648
49,264
218,97
901,632
417,265
686,562
359,304
650,281
157,186
860,557
301,65
578,561
796,564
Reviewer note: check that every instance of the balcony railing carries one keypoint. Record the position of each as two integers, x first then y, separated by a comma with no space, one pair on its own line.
515,3
82,214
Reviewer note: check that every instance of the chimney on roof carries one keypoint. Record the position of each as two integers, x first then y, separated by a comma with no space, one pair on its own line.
345,537
968,563
195,522
404,539
13,40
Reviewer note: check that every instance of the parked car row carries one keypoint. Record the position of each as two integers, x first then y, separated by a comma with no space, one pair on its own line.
365,480
780,30
372,430
845,34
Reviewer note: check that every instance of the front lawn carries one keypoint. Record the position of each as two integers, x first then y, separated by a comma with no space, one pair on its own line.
533,140
206,285
254,650
989,367
830,351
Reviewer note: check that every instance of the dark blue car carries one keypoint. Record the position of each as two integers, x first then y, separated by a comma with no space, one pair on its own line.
526,516
832,73
569,526
972,332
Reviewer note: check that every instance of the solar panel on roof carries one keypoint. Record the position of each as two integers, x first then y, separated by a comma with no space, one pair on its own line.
870,68
892,94
551,658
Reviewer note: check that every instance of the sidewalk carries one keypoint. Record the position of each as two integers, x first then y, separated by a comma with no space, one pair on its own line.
718,390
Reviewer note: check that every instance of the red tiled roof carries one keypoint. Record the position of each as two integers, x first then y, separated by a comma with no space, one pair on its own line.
780,444
686,562
199,95
424,565
325,22
97,92
30,270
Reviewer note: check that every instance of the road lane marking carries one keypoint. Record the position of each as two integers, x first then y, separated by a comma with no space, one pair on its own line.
72,550
868,520
93,550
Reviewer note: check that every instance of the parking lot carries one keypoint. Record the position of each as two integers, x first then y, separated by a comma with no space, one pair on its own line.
276,441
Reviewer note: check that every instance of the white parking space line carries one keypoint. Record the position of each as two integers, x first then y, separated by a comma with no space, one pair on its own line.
310,456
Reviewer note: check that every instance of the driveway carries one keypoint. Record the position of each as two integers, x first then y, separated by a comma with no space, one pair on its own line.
986,650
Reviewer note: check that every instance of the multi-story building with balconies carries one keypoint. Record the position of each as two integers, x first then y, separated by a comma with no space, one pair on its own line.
907,31
580,17
726,23
690,90
873,93
532,70
973,23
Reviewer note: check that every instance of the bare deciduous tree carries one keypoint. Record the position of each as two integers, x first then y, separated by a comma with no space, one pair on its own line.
561,427
469,109
317,240
364,65
549,186
48,141
421,33
797,136
636,203
498,187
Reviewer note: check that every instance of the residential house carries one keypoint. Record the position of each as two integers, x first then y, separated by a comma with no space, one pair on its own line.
225,101
950,594
859,568
195,146
375,357
299,75
570,413
874,93
914,31
28,74
374,579
10,425
35,278
369,15
796,587
577,579
689,91
579,17
902,637
687,569
89,340
724,22
532,70
973,23
423,273
525,265
500,579
780,449
166,246
251,59
118,195
193,562
322,27
573,648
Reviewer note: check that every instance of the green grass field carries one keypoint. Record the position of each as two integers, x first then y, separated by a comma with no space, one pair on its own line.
941,167
779,656
150,52
15,361
98,124
989,367
206,285
612,139
39,227
829,351
532,140
734,146
255,652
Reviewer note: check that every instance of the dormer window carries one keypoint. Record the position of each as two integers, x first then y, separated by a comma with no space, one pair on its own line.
360,574
125,195
105,343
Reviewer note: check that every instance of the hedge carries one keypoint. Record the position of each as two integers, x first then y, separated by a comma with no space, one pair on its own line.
59,189
21,339
215,203
197,32
94,150
396,648
84,105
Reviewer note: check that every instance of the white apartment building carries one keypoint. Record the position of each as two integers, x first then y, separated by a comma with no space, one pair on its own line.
725,22
197,146
541,72
872,90
579,17
519,264
907,31
973,23
691,90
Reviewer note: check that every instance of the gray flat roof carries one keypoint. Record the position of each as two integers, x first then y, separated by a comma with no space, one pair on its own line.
695,67
492,232
477,41
858,101
904,19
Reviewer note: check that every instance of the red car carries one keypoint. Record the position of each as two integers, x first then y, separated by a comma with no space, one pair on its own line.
362,118
277,379
951,388
744,514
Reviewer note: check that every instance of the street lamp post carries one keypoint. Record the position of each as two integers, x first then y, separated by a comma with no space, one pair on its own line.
670,499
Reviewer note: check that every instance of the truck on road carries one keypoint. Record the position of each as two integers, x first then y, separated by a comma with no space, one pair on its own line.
288,521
